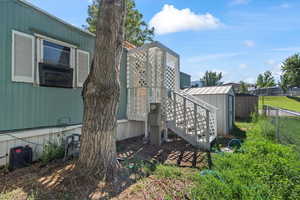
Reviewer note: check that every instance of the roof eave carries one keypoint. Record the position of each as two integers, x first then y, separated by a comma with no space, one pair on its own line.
55,18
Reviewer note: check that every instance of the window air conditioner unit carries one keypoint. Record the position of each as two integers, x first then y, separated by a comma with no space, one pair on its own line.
55,76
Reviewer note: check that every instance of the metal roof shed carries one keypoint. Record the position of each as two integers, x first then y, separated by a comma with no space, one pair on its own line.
223,98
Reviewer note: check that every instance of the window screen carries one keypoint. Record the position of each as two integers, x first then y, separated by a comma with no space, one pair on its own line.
82,66
23,57
56,54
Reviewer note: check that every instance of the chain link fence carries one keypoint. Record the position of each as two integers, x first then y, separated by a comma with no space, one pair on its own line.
286,124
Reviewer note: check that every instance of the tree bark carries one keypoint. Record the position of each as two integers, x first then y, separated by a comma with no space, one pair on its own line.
101,93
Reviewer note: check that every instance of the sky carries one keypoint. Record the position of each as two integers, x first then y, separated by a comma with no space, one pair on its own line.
240,38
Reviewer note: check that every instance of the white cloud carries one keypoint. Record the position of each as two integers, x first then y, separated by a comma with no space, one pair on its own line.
270,62
275,68
249,43
212,57
243,66
239,2
171,19
285,5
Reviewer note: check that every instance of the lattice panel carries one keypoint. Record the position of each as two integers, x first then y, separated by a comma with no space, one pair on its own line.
153,68
160,71
137,70
137,103
170,78
152,63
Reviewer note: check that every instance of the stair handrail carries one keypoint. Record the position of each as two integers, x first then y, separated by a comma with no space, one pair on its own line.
197,101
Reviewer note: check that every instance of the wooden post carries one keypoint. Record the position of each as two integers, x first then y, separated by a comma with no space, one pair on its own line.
154,119
174,105
146,129
195,119
166,138
184,115
277,125
207,126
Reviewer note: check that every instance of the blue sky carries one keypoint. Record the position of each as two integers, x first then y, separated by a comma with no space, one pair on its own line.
240,38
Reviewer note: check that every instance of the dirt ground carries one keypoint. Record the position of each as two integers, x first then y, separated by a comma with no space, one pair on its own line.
55,181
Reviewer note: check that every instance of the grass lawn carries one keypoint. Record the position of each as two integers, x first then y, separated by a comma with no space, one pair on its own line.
281,102
290,131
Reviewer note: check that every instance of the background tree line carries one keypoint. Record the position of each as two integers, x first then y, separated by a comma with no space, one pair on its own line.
290,77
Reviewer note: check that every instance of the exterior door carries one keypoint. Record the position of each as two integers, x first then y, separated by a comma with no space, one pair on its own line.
230,111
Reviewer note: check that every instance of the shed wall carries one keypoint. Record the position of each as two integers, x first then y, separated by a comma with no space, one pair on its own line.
24,105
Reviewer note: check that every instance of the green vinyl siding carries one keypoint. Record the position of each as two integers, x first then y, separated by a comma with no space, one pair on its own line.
185,80
24,105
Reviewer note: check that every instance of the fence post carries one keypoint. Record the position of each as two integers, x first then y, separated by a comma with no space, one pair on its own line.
277,126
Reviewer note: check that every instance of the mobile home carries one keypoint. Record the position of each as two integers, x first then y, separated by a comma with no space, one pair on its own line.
44,62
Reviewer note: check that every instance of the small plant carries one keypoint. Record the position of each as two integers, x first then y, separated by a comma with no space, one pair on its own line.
254,117
33,195
165,171
141,168
51,152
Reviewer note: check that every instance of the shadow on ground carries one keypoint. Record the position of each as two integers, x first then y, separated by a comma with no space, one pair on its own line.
59,180
294,98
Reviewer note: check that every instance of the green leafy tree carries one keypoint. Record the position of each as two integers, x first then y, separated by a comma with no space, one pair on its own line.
265,80
137,31
243,87
291,72
212,78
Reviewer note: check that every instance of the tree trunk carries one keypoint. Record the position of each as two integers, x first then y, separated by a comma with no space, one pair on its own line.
101,94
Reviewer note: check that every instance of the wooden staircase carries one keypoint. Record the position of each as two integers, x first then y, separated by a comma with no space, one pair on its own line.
191,119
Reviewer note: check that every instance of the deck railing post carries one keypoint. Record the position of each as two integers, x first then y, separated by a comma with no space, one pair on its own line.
207,126
184,115
195,119
174,106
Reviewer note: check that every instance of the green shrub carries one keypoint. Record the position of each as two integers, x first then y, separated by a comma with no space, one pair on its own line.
264,170
52,151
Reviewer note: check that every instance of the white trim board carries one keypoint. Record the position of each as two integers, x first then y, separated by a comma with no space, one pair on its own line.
35,132
54,40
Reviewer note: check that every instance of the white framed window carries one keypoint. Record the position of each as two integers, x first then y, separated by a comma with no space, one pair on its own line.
83,66
57,54
23,54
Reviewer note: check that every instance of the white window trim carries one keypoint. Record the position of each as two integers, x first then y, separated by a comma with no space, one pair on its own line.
55,41
77,67
15,78
41,53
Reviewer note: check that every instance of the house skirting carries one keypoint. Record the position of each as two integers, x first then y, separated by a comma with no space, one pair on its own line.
37,138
